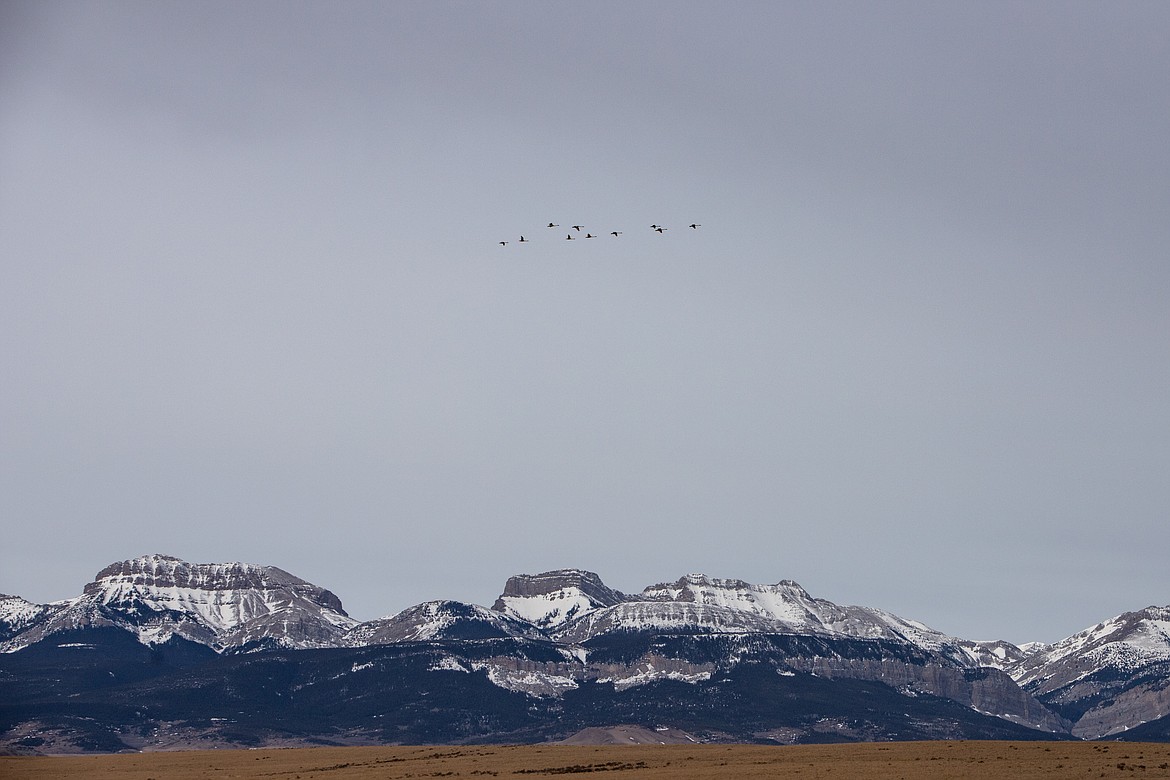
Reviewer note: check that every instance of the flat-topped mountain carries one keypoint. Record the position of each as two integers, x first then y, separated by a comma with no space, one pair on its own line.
222,605
555,598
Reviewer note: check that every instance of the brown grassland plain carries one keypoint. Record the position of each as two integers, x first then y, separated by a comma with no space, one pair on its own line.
872,761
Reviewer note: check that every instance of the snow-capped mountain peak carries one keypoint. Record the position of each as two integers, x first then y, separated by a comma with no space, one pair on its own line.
554,598
217,604
789,608
16,615
223,596
573,605
1125,643
1112,675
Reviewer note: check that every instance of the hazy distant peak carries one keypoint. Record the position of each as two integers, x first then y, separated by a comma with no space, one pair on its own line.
439,620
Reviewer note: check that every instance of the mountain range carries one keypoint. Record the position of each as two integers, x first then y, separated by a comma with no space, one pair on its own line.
160,653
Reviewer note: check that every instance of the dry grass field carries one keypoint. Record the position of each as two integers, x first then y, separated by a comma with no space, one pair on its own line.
872,761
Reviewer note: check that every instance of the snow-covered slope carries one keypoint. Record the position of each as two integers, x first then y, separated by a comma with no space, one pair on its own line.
1125,644
795,611
17,615
221,605
633,617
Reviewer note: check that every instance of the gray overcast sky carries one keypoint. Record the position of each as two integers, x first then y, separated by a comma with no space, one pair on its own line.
252,305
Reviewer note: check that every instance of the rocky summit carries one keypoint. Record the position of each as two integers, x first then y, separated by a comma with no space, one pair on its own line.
157,652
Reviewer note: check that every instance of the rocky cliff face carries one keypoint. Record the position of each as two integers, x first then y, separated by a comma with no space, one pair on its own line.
987,690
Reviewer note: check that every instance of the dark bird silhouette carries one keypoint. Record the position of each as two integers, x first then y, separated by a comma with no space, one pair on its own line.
616,233
503,243
590,235
523,240
552,225
653,227
569,237
660,228
696,226
578,228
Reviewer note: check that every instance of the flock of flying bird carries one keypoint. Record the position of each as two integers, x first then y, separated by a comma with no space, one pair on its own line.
579,228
